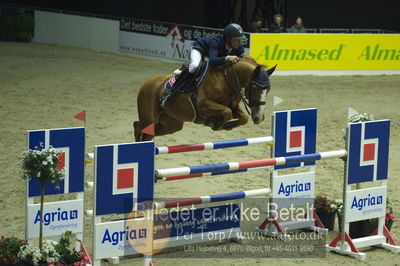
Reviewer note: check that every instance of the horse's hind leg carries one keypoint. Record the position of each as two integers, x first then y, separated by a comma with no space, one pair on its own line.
168,125
137,131
139,135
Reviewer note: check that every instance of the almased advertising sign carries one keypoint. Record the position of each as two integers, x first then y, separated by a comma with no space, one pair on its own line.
327,51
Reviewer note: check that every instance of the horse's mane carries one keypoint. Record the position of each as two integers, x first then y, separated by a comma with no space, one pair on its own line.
246,58
250,60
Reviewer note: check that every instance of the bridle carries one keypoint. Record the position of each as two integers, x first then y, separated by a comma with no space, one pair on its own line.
247,101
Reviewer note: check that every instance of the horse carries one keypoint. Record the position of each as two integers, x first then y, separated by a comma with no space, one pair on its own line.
218,98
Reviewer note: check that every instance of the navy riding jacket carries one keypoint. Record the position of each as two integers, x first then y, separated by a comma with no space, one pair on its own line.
214,47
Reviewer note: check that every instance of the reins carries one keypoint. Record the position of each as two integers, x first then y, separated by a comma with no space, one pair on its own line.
241,93
247,102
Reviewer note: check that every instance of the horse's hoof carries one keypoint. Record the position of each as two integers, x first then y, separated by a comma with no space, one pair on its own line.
218,124
230,125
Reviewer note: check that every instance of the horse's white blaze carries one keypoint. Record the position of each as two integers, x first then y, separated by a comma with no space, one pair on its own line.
260,112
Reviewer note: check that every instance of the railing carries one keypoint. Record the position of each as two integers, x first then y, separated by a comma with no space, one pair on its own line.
342,31
347,31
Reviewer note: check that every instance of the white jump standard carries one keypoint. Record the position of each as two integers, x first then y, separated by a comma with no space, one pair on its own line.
368,147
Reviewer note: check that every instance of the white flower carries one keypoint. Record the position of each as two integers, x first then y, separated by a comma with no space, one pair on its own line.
38,174
28,252
49,252
48,243
361,118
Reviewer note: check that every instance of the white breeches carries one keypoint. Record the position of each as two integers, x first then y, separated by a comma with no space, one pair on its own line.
195,57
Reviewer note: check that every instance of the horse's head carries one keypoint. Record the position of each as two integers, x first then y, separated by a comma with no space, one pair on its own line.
256,92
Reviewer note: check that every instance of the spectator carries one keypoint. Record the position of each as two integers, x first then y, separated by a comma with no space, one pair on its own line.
277,25
298,26
256,25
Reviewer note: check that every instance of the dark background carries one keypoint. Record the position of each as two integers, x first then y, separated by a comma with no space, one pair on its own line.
362,14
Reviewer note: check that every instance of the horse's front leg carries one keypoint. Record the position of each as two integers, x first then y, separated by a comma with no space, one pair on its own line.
216,114
242,118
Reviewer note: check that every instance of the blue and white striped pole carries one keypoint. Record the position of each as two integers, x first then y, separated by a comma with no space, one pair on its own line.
214,198
213,145
207,146
189,170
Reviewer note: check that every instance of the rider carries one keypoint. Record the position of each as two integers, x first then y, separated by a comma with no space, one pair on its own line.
219,49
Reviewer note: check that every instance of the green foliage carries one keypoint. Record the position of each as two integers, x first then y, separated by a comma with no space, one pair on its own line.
24,24
66,249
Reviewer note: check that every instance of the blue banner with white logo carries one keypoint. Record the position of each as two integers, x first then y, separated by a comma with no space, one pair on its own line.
124,176
295,133
71,143
368,151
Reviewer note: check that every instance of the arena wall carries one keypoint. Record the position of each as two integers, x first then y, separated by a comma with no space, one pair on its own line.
87,32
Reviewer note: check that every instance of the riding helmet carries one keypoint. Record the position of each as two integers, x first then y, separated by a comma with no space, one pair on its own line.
234,31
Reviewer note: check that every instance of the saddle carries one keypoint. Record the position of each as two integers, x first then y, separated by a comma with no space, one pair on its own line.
186,82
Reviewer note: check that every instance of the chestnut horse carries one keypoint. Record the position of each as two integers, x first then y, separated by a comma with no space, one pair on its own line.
218,99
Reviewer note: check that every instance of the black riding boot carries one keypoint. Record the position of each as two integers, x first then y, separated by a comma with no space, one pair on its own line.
179,83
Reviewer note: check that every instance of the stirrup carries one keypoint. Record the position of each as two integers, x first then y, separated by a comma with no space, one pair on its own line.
164,99
177,72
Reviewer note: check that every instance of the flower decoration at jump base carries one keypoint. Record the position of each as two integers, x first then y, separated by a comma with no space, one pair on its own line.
390,217
323,204
14,251
9,249
42,165
356,118
327,210
361,117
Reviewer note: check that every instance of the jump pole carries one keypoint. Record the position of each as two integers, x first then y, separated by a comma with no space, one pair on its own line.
201,200
213,145
215,198
160,173
180,177
207,146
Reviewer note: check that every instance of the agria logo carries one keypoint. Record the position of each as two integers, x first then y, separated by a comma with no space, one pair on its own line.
56,216
363,202
295,134
368,151
127,235
297,187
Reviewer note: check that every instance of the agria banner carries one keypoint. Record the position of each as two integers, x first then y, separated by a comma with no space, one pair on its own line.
327,51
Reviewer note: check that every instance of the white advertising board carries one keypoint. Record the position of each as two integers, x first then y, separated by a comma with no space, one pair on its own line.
58,217
365,204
